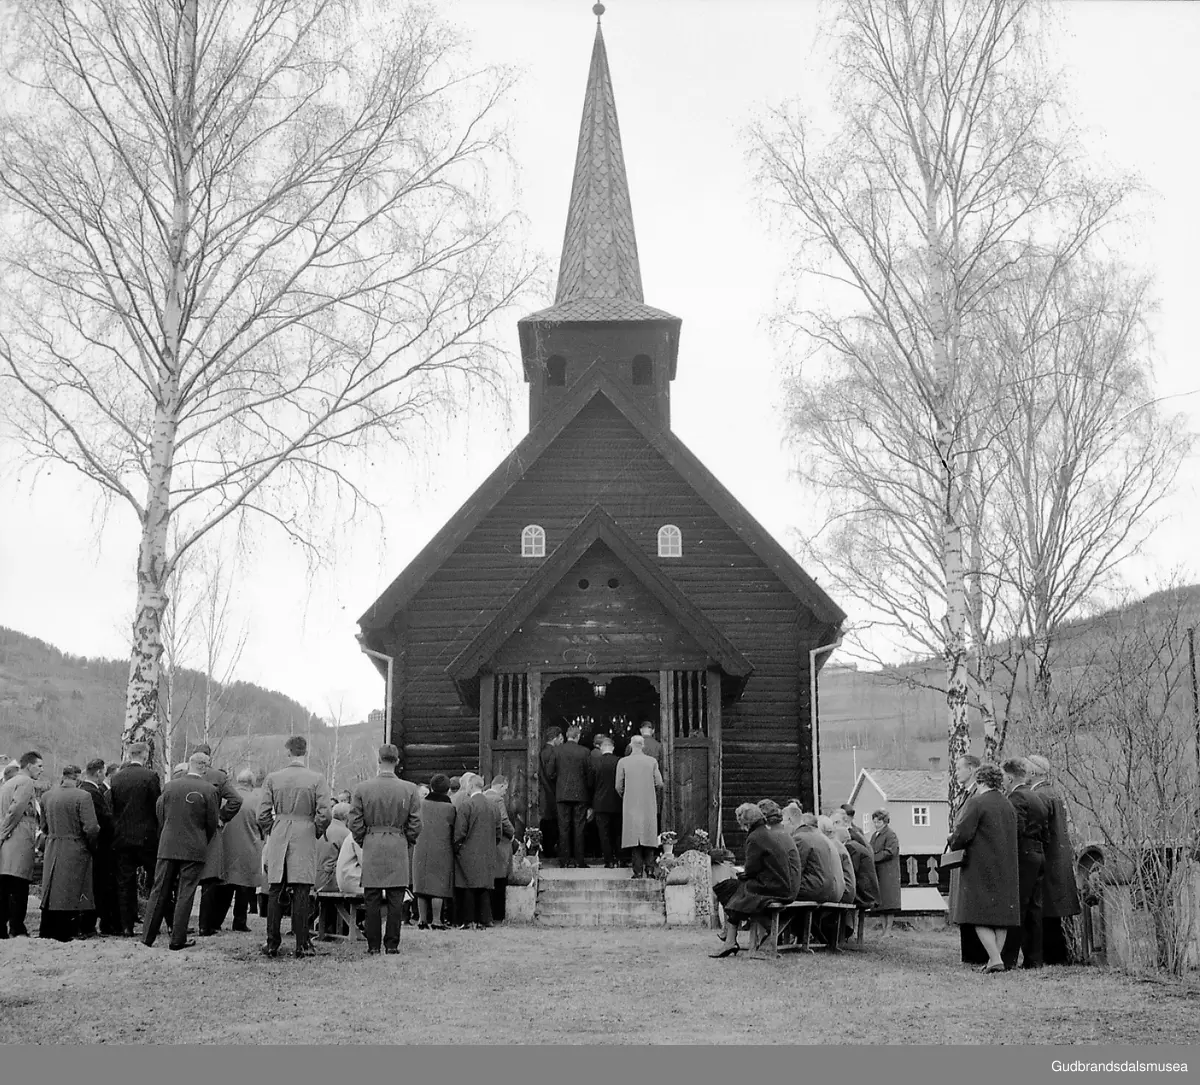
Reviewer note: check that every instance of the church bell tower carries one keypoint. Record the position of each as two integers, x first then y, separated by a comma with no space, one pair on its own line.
599,314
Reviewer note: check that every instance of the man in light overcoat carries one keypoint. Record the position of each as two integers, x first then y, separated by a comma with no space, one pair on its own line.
18,838
638,784
294,810
385,821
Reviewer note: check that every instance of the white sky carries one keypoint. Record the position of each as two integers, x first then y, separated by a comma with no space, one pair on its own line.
688,77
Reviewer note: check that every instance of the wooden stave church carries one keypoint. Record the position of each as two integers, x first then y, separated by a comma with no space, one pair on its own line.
488,637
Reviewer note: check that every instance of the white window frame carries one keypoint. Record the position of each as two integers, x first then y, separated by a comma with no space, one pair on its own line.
670,541
920,812
533,541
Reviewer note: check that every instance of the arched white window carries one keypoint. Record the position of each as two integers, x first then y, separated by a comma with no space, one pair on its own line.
533,542
670,541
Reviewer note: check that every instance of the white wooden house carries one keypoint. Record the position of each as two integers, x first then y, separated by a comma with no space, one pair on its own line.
916,800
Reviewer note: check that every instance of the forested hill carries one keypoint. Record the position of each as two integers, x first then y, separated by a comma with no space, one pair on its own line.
71,707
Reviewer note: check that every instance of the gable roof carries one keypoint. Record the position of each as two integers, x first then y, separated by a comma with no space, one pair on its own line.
905,785
595,381
598,526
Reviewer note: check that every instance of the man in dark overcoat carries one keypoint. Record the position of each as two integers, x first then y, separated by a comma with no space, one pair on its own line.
69,821
104,886
241,848
212,877
548,804
818,881
135,792
572,796
1033,818
385,821
497,795
606,800
477,833
188,818
1060,895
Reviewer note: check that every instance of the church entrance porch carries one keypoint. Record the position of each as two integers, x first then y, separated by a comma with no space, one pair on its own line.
600,704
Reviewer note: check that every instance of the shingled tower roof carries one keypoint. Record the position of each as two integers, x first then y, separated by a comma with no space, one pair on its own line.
599,278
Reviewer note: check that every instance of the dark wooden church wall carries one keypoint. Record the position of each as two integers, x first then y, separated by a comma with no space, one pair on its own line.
601,458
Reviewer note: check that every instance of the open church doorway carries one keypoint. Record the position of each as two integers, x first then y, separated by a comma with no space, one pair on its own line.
600,704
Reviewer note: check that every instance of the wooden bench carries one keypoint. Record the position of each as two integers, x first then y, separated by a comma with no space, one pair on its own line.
346,905
778,918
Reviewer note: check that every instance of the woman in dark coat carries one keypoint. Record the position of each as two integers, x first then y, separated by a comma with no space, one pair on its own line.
970,946
769,875
433,857
886,847
477,832
988,896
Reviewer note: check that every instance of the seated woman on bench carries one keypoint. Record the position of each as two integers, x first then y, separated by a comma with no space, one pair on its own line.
771,868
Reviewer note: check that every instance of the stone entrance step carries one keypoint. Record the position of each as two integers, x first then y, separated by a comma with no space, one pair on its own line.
598,898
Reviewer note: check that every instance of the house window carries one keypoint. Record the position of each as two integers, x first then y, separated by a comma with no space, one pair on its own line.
643,370
556,371
670,541
533,542
920,815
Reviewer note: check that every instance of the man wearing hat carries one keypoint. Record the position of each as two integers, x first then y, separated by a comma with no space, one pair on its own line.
385,821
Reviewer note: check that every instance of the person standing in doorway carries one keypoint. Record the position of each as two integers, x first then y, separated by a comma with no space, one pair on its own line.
294,810
652,748
18,838
638,782
548,803
569,771
606,800
385,821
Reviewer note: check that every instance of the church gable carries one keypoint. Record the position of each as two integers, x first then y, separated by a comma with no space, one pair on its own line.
600,616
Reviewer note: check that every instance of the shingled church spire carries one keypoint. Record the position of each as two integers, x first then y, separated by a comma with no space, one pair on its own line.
598,313
599,254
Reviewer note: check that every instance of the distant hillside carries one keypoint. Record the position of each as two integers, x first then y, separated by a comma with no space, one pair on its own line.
71,707
895,723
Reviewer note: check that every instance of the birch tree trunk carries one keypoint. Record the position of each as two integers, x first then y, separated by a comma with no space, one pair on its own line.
153,568
243,250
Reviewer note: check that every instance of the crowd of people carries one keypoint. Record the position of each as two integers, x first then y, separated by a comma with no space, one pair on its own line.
442,850
256,849
791,855
1016,880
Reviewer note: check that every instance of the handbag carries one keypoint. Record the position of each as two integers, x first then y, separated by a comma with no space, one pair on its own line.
952,859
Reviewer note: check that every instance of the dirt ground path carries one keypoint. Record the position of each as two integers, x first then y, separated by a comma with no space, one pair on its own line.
533,985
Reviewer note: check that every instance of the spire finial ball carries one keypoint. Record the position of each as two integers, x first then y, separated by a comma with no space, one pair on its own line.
597,10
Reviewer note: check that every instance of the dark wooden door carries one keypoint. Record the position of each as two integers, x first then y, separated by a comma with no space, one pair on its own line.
508,735
690,718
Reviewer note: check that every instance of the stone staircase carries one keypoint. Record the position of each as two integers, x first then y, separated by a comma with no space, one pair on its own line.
595,897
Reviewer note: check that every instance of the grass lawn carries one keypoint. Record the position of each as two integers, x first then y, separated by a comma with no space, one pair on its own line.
525,984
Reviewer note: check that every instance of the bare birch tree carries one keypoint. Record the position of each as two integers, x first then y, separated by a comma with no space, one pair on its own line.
949,168
243,243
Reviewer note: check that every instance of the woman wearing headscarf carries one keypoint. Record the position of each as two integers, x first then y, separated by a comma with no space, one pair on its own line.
886,847
988,893
768,875
433,857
